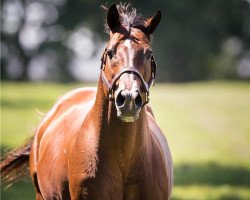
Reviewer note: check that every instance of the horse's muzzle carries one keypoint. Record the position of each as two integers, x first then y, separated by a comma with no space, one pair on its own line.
128,105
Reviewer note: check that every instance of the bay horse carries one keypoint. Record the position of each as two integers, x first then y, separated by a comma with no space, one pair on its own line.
104,143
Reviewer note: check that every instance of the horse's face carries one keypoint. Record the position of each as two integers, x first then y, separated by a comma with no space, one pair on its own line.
128,64
129,92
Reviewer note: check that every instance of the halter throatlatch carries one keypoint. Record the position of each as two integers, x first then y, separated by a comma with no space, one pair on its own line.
110,84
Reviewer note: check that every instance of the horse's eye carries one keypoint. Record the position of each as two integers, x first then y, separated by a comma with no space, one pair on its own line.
149,54
110,53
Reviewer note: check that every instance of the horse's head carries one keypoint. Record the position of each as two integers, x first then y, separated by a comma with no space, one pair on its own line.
128,66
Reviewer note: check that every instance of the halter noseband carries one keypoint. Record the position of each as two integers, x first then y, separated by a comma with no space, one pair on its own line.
110,84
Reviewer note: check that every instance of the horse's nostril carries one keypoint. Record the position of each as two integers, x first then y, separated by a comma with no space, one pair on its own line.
120,99
138,101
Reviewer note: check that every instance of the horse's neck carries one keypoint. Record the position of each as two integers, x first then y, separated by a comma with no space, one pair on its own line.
115,136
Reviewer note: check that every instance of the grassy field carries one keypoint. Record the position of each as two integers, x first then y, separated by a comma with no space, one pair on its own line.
207,125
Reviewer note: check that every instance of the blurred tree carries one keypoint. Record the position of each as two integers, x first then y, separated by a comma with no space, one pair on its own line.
194,32
197,39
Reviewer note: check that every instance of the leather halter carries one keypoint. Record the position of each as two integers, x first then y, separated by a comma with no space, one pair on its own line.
110,84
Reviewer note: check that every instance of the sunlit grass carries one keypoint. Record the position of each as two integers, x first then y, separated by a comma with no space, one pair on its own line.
205,121
23,106
206,192
207,125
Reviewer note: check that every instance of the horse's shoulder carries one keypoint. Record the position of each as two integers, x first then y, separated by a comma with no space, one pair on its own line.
72,98
65,116
76,96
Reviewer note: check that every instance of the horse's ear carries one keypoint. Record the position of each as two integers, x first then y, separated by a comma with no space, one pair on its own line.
113,17
153,22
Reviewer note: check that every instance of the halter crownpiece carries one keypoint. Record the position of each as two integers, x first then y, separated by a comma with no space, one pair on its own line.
110,84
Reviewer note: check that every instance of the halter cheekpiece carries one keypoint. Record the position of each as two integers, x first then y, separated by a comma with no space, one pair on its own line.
110,84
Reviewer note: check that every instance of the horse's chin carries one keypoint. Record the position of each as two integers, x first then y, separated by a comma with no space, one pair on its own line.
127,119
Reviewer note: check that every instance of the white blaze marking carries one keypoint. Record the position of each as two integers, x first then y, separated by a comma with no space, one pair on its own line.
130,56
127,43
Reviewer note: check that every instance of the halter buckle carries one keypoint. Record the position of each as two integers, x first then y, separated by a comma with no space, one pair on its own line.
147,97
111,94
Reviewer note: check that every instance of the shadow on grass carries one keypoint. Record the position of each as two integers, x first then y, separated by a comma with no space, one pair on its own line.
22,190
224,197
211,174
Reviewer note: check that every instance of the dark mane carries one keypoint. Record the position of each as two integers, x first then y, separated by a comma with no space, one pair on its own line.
129,18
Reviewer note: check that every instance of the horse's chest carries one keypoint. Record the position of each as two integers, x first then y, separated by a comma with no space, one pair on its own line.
112,182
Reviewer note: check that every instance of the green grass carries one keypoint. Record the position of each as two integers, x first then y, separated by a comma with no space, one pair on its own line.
205,121
207,125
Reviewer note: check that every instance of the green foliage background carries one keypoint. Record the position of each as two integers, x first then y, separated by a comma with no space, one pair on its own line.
189,43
